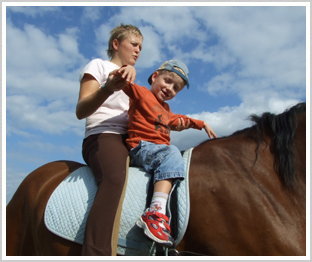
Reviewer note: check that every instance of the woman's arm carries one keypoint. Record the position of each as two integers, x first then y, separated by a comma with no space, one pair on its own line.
91,97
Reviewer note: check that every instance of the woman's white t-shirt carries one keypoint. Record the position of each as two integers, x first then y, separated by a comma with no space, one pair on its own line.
112,115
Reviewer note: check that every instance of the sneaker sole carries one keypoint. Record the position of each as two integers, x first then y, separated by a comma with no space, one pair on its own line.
141,224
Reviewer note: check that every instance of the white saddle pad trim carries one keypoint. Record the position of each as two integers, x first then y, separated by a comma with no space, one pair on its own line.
183,194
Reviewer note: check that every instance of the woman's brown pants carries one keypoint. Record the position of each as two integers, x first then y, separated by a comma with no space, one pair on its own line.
107,156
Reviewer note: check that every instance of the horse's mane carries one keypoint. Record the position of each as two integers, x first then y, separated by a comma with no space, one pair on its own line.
281,128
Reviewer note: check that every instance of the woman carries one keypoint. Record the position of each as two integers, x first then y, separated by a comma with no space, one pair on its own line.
104,147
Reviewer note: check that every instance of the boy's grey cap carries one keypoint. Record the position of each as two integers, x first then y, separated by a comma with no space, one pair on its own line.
174,66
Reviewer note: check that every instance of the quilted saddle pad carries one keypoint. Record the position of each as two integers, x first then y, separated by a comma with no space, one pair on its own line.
69,205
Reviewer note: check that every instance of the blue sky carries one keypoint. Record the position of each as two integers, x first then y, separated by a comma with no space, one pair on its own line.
242,60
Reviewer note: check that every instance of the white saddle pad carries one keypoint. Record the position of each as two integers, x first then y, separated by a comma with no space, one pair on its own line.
69,205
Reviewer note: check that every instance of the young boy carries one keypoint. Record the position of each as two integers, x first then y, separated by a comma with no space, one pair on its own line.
150,121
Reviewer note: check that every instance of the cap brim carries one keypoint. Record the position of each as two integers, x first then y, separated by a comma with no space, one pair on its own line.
149,80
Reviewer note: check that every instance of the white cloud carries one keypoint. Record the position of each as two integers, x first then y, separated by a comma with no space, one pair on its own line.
47,117
264,50
42,72
220,84
91,13
102,35
29,49
68,42
173,24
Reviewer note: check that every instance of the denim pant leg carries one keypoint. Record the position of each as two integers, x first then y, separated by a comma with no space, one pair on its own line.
164,161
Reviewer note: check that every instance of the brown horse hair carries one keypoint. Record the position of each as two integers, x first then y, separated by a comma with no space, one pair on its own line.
281,128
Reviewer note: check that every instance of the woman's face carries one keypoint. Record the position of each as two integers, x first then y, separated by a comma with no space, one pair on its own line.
127,51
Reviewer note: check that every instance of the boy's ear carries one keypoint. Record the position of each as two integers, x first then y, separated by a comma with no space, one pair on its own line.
154,76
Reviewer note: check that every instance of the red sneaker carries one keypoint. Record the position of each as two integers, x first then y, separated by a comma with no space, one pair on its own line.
156,227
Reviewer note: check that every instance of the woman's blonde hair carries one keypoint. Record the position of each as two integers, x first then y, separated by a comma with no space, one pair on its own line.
121,33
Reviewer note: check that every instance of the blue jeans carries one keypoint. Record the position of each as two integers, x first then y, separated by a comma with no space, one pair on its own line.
165,161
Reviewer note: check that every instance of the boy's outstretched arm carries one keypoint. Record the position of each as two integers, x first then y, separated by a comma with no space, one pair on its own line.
209,131
182,125
181,122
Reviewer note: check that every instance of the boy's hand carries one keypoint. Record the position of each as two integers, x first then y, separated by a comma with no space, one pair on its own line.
127,72
209,131
119,78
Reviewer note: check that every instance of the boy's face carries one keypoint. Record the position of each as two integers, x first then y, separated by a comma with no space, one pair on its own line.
128,51
166,85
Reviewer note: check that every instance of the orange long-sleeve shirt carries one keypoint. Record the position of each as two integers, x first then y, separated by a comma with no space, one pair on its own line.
151,120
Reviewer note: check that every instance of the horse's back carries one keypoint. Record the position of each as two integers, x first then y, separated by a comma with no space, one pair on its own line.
25,211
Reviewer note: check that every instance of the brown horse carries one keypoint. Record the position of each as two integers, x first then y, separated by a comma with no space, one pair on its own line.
247,193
